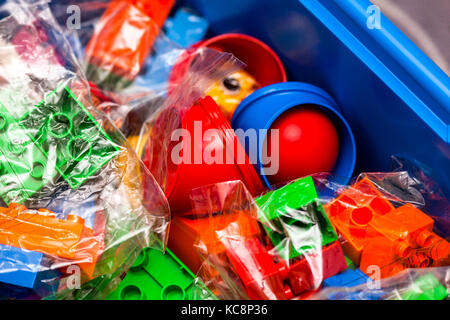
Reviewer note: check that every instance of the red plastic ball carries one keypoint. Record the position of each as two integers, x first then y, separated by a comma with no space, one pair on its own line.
308,143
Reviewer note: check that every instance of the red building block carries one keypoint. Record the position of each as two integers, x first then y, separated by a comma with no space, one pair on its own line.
353,210
262,278
309,272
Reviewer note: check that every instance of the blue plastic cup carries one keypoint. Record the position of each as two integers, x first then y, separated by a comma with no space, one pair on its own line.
260,110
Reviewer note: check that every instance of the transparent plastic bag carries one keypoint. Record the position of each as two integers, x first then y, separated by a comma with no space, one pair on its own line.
73,210
195,72
122,41
410,284
311,234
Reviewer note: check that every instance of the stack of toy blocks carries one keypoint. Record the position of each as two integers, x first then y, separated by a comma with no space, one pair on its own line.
57,137
303,237
378,234
300,251
159,276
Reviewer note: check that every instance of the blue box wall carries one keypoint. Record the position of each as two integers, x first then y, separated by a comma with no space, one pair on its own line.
395,98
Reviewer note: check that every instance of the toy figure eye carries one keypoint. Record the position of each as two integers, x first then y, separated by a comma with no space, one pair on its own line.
232,84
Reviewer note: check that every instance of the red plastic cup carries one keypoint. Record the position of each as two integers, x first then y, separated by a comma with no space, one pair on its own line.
183,177
262,62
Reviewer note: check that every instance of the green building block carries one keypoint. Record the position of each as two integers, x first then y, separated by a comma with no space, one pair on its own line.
23,167
57,135
67,133
296,210
159,276
426,287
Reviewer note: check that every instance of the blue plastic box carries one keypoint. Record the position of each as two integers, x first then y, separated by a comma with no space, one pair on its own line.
396,99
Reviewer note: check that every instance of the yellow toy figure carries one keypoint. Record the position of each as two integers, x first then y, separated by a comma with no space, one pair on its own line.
229,92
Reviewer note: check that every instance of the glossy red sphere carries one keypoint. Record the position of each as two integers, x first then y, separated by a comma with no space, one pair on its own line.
308,143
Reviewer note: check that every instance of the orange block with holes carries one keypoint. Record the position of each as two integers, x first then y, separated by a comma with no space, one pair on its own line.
353,210
395,239
186,233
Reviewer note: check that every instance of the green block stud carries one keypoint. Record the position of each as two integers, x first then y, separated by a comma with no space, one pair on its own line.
159,276
23,167
426,287
299,220
37,143
67,133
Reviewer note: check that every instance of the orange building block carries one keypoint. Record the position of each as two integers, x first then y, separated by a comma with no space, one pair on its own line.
353,210
185,233
41,231
402,239
381,258
408,225
125,35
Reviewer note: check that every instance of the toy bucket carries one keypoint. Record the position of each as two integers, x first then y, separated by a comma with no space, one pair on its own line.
261,109
262,62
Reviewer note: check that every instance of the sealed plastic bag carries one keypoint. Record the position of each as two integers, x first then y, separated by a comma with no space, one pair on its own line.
293,241
411,284
72,208
184,107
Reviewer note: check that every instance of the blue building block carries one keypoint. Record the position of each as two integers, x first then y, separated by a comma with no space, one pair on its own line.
349,278
186,28
358,295
19,266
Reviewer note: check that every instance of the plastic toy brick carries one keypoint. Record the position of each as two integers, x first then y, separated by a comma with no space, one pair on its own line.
303,275
262,278
353,210
88,250
356,295
426,287
42,232
107,47
45,283
185,233
349,278
18,266
23,167
186,28
159,276
406,224
63,129
391,239
296,206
